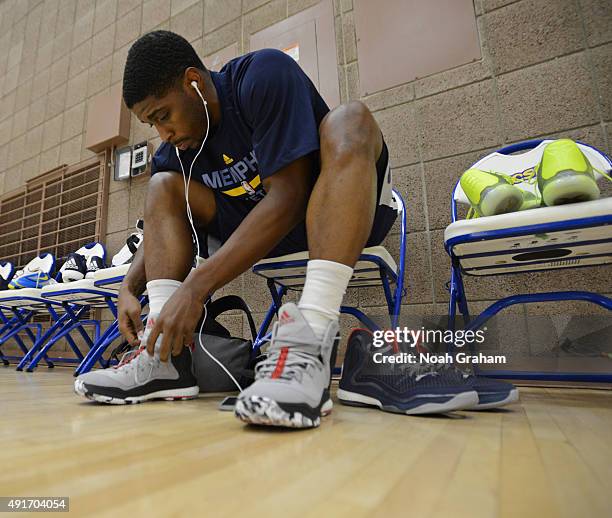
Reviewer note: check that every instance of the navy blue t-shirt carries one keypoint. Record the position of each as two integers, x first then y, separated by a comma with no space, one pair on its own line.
270,116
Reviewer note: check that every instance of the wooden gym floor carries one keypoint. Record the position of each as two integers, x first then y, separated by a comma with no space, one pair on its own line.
550,455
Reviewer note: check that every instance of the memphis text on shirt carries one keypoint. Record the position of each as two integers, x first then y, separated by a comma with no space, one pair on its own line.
241,176
240,171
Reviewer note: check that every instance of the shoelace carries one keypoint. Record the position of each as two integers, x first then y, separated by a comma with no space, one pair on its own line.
130,361
418,370
128,356
294,367
121,349
603,173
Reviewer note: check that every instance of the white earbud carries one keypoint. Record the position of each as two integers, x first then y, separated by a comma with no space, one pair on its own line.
195,85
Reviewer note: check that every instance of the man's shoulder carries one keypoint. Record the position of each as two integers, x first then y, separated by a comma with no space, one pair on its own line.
260,58
259,67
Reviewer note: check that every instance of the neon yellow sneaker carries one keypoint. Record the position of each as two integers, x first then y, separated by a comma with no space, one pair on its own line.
490,193
565,175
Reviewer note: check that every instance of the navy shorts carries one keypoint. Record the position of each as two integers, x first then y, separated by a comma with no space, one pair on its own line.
230,214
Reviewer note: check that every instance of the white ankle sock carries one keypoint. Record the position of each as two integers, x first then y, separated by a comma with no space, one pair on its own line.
159,291
325,286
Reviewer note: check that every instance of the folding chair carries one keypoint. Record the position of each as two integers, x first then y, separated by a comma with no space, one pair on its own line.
81,296
34,272
10,327
65,319
375,267
24,302
19,322
546,238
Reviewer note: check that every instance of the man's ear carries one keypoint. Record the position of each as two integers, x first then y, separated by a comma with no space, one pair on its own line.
192,74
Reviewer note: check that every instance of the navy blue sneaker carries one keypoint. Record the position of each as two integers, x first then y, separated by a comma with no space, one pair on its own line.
403,388
492,393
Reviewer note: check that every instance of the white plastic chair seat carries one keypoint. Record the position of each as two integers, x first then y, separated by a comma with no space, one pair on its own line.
111,278
24,298
576,242
366,272
82,291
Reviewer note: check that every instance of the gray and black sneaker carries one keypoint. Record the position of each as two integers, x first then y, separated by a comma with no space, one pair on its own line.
140,377
291,387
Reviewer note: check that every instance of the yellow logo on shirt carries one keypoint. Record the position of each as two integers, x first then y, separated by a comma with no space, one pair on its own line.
245,187
227,159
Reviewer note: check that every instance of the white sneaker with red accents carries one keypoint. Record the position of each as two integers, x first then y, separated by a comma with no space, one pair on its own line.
291,387
141,378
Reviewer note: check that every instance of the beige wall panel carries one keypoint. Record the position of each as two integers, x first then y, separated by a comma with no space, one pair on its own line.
108,120
309,38
409,39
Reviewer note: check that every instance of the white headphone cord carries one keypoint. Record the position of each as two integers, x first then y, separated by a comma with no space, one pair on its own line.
211,356
186,182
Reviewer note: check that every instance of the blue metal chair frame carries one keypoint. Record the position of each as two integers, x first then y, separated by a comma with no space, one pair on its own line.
458,298
61,327
11,327
388,277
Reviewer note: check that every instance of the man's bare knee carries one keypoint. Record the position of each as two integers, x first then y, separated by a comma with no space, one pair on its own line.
166,185
166,195
348,131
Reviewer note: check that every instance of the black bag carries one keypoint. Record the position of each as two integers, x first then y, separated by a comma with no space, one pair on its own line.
235,354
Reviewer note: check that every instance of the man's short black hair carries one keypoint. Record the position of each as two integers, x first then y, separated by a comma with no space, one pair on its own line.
154,64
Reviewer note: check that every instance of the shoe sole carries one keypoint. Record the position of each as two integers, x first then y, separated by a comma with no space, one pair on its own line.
511,397
267,412
168,395
570,188
462,401
500,200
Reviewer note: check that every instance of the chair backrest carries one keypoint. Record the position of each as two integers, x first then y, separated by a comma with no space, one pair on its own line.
521,166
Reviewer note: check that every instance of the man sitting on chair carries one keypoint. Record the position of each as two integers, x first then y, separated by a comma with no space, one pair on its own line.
273,171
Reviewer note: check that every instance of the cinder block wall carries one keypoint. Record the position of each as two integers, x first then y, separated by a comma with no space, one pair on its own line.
545,71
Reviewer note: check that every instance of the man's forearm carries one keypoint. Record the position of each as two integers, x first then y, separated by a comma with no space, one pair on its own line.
135,279
263,228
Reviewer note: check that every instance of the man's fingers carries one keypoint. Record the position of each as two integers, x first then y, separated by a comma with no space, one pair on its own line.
126,330
136,321
166,345
177,347
152,338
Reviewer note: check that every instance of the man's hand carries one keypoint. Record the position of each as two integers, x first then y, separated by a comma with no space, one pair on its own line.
128,315
178,319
